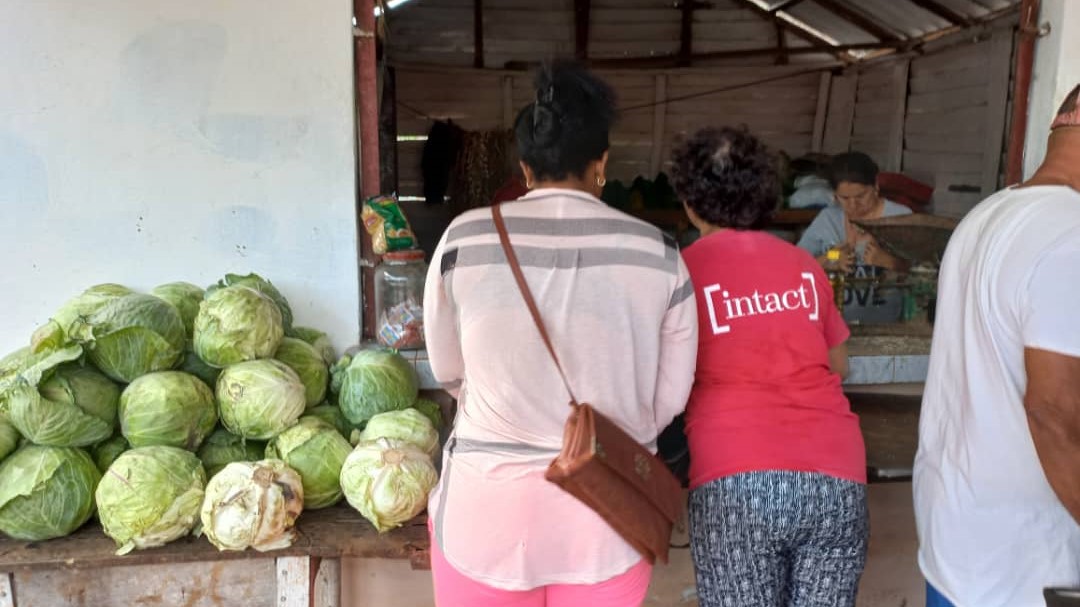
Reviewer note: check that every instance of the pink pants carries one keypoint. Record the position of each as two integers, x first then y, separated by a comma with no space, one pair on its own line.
453,589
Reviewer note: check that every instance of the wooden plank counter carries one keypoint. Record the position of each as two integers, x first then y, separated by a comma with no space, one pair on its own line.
82,570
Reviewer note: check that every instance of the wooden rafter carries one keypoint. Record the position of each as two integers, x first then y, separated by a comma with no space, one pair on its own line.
686,31
582,18
939,9
478,34
785,5
859,20
667,61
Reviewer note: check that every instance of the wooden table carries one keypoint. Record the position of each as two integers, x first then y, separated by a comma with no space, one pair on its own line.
890,427
82,570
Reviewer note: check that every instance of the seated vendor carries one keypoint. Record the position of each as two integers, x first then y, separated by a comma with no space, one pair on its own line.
853,177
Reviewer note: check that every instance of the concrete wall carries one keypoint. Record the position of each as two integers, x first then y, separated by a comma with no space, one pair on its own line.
152,141
1057,71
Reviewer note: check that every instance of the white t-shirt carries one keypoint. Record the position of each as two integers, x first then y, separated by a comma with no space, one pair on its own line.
991,529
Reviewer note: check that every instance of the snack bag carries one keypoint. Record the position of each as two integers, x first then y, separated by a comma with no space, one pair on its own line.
387,225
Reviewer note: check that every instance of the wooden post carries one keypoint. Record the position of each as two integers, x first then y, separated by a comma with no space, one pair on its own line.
824,85
840,116
294,582
478,34
997,95
781,44
7,592
659,124
582,16
894,161
686,33
388,165
368,127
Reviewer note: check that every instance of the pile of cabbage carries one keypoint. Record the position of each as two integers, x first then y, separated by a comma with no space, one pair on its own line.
185,411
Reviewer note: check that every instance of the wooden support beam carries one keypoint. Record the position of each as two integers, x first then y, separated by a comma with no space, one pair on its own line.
894,158
666,61
840,115
582,17
781,44
999,65
939,9
785,5
824,86
858,19
686,32
478,34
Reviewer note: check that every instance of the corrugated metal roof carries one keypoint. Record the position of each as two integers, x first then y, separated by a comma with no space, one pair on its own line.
441,31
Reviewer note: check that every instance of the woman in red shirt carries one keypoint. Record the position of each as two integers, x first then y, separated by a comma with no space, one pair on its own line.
778,510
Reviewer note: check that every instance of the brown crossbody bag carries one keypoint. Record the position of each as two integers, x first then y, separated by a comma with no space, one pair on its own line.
603,466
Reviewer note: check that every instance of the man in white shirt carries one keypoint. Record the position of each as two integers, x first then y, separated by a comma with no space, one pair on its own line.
997,475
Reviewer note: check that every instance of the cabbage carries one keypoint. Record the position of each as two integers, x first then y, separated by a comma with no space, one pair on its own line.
23,368
185,297
318,340
74,407
317,451
236,324
253,504
170,408
54,334
332,415
431,410
9,438
408,425
222,448
194,365
309,365
133,335
260,284
373,382
46,492
150,496
105,453
388,481
259,399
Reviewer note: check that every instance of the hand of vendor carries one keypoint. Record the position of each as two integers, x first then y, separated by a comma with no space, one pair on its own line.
874,255
845,264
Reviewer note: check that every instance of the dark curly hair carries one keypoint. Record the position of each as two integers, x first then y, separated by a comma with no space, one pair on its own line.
853,167
567,126
727,177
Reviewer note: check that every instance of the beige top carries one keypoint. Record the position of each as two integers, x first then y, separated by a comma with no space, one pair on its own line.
617,300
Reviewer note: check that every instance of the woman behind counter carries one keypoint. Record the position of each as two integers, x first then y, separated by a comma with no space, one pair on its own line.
853,177
778,511
617,301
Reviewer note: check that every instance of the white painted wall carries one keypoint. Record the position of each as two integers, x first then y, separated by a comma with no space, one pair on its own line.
1057,71
152,141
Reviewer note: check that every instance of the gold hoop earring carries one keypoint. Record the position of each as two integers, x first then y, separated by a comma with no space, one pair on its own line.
601,180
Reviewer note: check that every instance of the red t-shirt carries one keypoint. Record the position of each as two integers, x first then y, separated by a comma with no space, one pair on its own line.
764,396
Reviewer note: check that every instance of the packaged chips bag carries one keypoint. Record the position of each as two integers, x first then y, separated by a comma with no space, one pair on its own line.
386,223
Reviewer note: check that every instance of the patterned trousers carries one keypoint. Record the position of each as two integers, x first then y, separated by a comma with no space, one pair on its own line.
778,539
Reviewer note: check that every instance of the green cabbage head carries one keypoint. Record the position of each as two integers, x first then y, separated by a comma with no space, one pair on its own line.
317,451
54,334
185,297
319,340
237,324
223,448
9,438
150,496
105,453
373,382
309,365
46,492
259,399
408,425
431,410
75,406
332,415
133,335
388,481
169,408
253,505
260,284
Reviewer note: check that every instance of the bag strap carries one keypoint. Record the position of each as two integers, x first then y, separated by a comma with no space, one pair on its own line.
523,287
